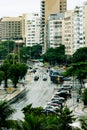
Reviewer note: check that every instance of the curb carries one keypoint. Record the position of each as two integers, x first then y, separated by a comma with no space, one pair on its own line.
16,97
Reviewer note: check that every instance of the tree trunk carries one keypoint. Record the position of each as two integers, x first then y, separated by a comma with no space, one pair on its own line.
5,83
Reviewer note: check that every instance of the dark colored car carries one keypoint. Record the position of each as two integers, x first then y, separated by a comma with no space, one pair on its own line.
36,78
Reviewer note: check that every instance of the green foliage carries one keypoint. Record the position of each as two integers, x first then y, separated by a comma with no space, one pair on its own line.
1,76
33,122
12,71
36,51
17,71
25,54
12,58
36,119
5,69
55,55
77,69
5,112
5,48
84,96
65,118
80,55
30,110
33,52
83,121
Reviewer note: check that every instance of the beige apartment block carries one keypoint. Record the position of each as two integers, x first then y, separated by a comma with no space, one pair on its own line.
23,27
49,7
68,32
53,7
11,28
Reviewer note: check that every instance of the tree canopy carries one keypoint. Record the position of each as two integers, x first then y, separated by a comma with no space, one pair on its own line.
55,55
80,55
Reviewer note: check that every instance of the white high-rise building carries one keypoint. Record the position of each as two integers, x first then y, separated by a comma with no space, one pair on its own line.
69,32
32,29
79,28
55,30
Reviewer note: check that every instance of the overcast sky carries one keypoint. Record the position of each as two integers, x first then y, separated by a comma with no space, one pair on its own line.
18,7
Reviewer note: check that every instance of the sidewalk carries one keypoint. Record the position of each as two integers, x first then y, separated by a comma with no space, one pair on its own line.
5,95
79,109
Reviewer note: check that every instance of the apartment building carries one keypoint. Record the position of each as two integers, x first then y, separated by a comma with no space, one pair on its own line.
69,32
79,32
55,30
32,29
85,23
50,7
11,28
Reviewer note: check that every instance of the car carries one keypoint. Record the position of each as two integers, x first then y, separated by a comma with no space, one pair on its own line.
34,70
56,101
61,100
51,107
67,79
63,94
58,98
44,77
54,104
50,111
36,77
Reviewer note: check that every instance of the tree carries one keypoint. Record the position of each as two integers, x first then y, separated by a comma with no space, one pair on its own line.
6,112
1,76
80,55
25,54
83,121
12,58
36,118
5,69
17,71
6,47
55,55
33,122
65,118
78,70
84,96
36,51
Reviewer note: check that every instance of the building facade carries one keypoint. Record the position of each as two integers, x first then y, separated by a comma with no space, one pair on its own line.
11,28
69,32
50,7
79,31
55,30
32,29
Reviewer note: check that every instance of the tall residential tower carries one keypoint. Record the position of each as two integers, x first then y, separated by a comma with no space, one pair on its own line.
49,7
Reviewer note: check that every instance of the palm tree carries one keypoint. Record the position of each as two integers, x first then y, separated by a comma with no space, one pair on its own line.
6,112
83,121
65,118
32,122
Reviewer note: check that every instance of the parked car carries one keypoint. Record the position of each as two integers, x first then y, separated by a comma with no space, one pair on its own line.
63,94
51,107
50,111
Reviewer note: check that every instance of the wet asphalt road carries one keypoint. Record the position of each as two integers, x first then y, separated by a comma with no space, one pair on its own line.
37,93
